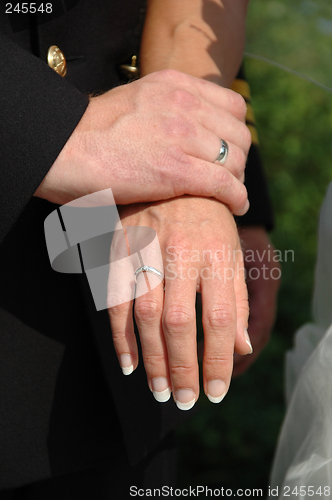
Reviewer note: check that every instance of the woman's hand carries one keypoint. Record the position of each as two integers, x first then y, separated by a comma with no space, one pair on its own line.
201,252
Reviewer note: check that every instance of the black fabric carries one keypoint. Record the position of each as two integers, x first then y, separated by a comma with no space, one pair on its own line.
260,212
108,479
56,413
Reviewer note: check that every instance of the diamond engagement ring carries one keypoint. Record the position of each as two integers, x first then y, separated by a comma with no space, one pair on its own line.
223,152
148,269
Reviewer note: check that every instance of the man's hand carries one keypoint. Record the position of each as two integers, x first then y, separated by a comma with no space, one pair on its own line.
155,139
263,280
201,252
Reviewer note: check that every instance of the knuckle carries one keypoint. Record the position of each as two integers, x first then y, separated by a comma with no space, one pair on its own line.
239,104
154,360
178,319
118,336
219,362
180,244
215,359
183,99
147,310
221,318
182,371
178,126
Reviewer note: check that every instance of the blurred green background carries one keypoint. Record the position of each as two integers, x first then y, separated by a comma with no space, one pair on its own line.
232,444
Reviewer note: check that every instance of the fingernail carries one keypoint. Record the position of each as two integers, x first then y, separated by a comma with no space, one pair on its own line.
126,364
248,340
160,389
216,390
185,399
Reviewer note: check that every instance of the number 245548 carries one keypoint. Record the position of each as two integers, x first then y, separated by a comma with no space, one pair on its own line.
28,7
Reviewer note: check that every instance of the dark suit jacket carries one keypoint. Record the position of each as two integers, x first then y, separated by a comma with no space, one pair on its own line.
64,403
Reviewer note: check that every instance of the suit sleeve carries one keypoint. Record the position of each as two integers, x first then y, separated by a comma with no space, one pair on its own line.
39,111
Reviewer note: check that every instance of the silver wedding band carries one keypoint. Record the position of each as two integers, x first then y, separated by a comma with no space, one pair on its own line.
149,269
223,152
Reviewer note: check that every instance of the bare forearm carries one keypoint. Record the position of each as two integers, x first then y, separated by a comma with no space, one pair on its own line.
204,38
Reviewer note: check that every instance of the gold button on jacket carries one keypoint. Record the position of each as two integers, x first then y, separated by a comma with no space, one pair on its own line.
56,60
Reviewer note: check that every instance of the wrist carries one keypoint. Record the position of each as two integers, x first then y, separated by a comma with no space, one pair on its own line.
70,175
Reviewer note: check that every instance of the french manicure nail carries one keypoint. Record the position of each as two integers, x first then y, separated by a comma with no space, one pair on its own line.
248,341
160,389
216,390
126,364
185,399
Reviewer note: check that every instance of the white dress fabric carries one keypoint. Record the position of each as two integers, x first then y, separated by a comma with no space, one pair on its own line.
304,452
